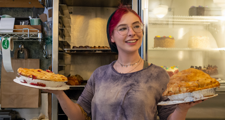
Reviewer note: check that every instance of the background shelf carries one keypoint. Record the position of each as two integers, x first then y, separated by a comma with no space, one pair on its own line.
191,49
204,20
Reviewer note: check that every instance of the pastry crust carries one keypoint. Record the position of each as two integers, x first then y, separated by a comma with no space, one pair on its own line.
43,75
189,80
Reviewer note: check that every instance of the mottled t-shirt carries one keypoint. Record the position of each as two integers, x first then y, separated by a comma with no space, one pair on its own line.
110,95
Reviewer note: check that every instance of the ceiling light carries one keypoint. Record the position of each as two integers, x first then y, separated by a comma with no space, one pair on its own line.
160,11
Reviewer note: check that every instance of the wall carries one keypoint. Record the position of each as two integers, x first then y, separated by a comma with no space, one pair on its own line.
34,48
35,51
88,27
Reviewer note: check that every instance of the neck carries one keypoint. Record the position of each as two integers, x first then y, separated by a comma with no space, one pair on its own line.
128,58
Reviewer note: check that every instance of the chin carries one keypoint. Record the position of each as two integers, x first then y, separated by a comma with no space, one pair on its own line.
132,50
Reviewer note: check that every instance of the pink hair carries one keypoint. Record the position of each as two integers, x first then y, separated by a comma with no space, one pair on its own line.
118,15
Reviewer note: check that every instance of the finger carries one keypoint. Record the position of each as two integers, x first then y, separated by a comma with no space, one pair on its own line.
195,103
46,90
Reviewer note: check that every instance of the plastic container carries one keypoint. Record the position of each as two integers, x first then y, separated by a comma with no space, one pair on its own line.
35,21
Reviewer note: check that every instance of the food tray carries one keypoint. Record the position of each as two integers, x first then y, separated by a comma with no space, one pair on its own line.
65,87
179,102
193,95
190,97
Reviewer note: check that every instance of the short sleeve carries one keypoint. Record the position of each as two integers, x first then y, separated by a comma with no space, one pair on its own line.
86,97
165,111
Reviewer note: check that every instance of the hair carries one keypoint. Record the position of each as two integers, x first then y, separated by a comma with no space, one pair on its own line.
114,20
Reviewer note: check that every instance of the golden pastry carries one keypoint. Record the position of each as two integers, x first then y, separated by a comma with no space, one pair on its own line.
42,75
189,80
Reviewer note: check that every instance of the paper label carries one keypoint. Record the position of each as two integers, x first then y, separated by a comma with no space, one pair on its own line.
6,55
5,43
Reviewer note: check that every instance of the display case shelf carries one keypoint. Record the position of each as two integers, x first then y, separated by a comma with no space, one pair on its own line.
203,20
72,86
63,65
191,49
77,87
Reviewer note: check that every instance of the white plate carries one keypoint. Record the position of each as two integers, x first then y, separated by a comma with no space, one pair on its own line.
65,87
178,102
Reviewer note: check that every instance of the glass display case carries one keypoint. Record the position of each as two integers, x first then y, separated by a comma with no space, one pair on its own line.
188,33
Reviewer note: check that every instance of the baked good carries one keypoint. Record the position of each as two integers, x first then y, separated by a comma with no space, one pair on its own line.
86,46
75,47
41,74
100,47
105,47
211,70
41,78
171,70
94,47
188,81
165,42
75,80
197,11
198,42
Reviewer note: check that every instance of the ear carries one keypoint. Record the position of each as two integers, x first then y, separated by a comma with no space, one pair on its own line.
112,39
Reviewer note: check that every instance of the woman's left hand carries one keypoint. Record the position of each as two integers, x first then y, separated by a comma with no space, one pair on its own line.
182,109
185,106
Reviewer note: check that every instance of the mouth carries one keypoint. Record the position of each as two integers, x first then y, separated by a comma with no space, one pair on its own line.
131,41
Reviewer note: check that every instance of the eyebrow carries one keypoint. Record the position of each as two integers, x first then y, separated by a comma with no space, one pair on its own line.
126,24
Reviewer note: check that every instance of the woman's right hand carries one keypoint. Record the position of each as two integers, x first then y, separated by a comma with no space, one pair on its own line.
56,92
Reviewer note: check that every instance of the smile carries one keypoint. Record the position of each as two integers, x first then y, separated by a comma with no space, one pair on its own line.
131,41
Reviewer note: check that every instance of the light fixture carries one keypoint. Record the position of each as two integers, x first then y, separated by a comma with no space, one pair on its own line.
223,12
160,11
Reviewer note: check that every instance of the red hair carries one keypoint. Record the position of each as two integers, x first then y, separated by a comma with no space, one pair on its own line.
118,15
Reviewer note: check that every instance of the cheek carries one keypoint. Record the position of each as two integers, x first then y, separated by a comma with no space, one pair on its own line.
119,38
140,36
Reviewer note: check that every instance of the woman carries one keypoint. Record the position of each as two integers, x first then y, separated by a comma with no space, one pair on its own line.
128,88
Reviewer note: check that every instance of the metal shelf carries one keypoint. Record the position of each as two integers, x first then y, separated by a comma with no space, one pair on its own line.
88,50
23,34
93,3
63,65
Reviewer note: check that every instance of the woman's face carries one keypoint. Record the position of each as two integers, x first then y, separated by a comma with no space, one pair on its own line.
127,35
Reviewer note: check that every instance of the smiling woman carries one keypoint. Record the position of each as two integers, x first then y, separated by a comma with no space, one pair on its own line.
121,78
113,23
128,88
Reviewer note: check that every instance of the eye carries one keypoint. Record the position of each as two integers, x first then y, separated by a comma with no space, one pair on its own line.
122,28
137,26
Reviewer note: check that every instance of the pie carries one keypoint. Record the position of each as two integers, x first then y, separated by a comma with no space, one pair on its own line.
43,75
188,81
39,77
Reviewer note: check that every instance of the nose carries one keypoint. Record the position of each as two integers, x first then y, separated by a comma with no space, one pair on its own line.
131,32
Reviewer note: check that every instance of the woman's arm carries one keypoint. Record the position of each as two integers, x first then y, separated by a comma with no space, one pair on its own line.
71,109
181,111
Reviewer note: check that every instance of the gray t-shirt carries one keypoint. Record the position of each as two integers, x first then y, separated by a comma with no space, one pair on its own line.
110,95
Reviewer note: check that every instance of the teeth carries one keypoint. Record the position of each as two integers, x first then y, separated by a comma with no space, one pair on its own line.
132,41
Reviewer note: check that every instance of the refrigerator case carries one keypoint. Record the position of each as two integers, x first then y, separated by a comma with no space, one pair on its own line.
197,27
